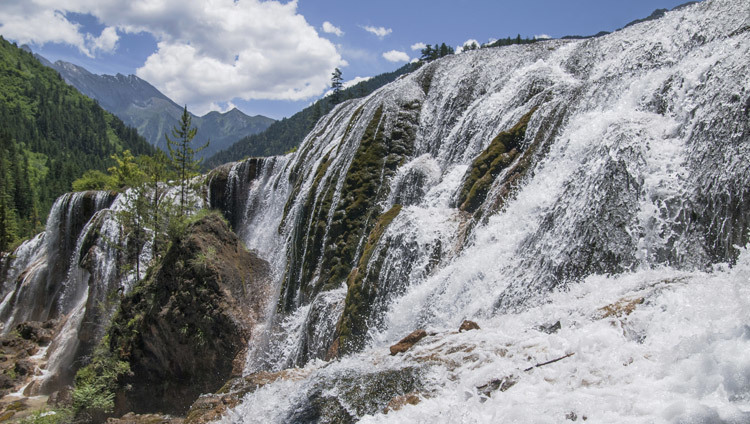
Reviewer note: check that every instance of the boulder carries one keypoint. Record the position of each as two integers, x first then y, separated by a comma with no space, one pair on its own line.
468,325
550,328
407,342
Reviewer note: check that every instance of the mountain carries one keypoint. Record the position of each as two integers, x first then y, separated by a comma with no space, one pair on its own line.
50,135
142,106
545,232
285,135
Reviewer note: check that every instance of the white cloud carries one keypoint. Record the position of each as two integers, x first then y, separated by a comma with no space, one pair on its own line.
542,37
418,46
466,43
209,52
381,32
396,56
350,83
106,42
331,29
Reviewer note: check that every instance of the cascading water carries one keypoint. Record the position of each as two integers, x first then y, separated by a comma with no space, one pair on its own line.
514,186
632,167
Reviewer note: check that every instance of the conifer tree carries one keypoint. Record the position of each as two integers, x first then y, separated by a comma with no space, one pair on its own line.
182,155
337,85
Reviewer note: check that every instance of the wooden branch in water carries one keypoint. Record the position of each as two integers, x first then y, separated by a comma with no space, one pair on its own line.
550,362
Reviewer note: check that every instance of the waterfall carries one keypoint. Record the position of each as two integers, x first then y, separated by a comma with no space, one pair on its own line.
561,180
615,160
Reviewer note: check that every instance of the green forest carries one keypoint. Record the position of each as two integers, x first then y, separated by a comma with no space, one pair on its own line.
51,135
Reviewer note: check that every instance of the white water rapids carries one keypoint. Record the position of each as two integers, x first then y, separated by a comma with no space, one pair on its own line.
636,201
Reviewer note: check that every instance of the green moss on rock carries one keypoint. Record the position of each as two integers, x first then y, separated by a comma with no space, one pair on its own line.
361,290
501,152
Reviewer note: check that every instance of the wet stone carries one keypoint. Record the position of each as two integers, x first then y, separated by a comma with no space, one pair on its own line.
468,325
407,342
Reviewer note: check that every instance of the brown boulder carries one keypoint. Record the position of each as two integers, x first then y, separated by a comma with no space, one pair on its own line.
399,402
468,325
407,342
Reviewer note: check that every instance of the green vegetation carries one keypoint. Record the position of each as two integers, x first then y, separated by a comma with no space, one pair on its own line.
510,41
96,384
332,250
430,53
182,155
361,289
337,85
288,133
51,135
502,150
52,416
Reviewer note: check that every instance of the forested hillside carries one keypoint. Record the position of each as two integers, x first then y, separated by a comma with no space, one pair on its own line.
50,135
288,133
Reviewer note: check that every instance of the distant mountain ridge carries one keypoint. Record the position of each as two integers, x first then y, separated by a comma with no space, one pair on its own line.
142,106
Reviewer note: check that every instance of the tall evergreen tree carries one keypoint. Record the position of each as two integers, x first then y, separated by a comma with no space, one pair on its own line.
182,155
337,84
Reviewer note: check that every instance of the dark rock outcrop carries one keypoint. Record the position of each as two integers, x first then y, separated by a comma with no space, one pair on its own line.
182,329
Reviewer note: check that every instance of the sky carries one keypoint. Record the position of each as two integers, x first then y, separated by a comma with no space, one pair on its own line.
276,57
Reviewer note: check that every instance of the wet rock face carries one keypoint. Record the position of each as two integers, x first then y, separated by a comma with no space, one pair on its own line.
182,329
17,367
346,398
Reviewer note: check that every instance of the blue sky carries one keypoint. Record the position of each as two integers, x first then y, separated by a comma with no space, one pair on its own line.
274,58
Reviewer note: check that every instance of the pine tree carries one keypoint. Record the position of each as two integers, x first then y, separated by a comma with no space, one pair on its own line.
337,85
182,155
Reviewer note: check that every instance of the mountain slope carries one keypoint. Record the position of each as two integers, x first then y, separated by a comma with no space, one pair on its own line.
50,135
142,106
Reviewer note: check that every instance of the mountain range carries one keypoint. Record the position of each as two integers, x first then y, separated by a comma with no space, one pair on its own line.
142,106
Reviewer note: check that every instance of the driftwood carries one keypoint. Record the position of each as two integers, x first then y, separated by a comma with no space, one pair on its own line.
549,362
506,383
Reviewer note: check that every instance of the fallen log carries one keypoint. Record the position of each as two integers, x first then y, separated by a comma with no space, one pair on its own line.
549,362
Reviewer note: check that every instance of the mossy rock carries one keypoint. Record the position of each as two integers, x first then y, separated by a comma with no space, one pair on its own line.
361,290
501,152
182,329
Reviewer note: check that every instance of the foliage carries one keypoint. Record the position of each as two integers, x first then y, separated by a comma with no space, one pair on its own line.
182,155
288,133
52,416
510,41
96,383
51,135
336,85
431,53
93,179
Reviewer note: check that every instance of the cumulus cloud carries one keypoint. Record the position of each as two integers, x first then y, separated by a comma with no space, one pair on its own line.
396,56
208,52
468,43
418,46
381,32
331,29
106,42
28,23
350,83
542,37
